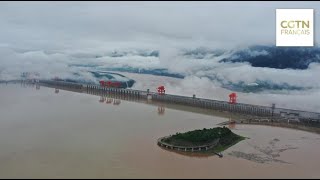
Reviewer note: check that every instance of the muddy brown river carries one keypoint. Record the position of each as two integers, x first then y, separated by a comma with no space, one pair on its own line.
44,134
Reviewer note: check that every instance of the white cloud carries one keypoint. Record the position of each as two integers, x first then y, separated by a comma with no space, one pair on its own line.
47,36
74,25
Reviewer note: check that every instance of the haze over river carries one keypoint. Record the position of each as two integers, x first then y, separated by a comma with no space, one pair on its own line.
44,134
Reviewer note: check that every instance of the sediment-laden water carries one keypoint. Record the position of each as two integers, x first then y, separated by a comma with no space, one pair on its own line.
44,134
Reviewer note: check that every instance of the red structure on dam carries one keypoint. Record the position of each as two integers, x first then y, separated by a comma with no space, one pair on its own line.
114,84
233,98
268,112
161,90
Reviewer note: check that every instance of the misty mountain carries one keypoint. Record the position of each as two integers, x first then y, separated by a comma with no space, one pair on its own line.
276,57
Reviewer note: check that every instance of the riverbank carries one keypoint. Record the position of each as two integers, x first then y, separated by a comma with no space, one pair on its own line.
313,127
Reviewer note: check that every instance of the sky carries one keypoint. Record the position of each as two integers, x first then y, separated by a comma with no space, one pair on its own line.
47,36
81,25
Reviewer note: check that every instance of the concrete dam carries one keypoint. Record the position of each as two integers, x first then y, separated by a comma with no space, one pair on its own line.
264,112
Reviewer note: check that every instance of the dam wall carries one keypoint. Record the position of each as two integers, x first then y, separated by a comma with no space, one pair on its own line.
239,108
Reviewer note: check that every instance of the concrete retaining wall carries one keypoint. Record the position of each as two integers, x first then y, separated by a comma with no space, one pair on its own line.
187,149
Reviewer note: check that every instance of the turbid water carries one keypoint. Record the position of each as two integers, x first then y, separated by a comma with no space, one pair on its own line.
44,134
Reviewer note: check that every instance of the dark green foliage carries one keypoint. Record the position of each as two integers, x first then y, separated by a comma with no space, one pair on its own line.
202,136
206,136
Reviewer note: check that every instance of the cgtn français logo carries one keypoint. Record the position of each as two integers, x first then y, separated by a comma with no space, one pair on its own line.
294,27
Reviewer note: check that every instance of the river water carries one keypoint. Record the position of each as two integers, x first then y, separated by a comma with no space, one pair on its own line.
44,134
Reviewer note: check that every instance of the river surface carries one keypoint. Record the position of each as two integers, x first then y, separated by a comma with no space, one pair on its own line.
44,134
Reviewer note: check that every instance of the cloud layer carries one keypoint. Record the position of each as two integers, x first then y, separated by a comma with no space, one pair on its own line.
47,37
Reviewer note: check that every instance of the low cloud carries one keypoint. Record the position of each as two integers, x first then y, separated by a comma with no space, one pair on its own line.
47,37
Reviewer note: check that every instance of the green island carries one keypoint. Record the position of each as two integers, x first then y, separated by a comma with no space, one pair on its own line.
218,139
